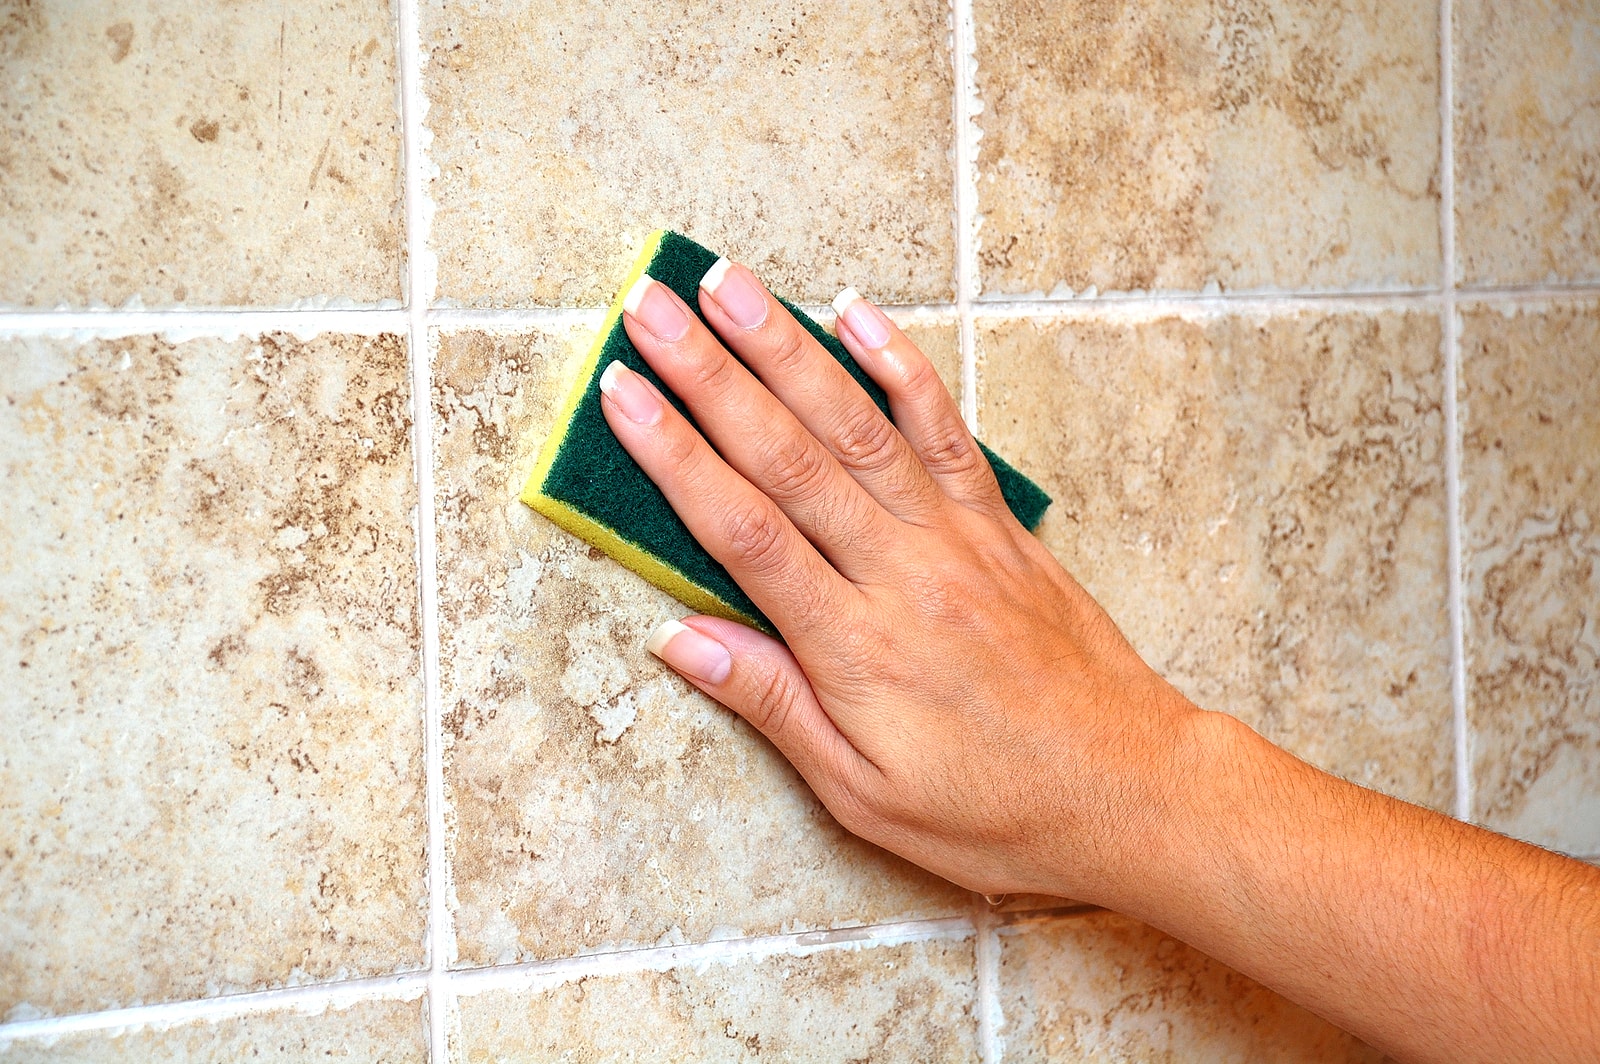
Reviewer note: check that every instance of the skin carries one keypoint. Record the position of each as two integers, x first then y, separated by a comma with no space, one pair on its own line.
954,695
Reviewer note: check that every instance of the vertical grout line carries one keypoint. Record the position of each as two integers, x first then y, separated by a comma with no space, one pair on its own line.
986,938
419,295
1452,423
963,41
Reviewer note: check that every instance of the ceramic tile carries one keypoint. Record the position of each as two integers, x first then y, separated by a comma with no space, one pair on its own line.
212,775
245,153
914,1002
1259,503
1531,500
1105,988
1527,136
563,133
1258,144
377,1032
597,800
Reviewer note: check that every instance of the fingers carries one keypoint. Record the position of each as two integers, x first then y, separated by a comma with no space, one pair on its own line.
822,395
923,409
758,678
738,525
757,435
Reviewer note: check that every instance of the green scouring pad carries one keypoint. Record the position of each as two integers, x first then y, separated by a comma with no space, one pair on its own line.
586,483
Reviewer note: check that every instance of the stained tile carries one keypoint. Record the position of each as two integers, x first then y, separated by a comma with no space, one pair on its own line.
1527,137
1259,503
1264,144
379,1032
207,154
914,1002
1530,415
596,799
1106,988
211,776
564,132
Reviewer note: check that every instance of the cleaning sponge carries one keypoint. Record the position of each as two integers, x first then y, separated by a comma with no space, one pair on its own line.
586,483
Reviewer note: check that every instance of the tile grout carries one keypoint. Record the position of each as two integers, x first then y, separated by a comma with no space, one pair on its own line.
419,293
1461,746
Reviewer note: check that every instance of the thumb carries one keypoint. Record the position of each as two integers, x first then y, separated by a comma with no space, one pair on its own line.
758,678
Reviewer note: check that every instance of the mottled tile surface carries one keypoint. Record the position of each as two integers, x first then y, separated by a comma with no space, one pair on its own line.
1527,135
887,1004
1259,503
211,774
1255,144
1530,495
245,153
372,1032
814,144
1106,988
595,799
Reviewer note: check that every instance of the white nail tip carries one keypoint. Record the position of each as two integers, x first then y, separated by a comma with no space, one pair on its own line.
844,299
663,635
714,276
608,379
635,296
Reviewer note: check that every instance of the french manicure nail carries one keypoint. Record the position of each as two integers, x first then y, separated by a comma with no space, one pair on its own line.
648,303
690,652
865,320
628,390
736,292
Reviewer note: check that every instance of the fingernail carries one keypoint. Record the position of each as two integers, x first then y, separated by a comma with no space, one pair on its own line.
864,319
736,291
648,303
627,389
690,652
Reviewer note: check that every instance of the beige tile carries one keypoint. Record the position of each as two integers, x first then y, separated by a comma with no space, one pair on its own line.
813,144
1259,503
245,153
1275,143
1527,136
1106,988
374,1032
1531,501
914,1002
597,800
212,779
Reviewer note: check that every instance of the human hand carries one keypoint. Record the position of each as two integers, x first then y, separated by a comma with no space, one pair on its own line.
947,689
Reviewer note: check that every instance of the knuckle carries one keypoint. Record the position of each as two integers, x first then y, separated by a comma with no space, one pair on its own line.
921,377
950,450
788,349
795,470
774,703
754,538
712,374
866,441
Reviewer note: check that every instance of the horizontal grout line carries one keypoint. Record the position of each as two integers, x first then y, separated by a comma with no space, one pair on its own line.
661,958
222,323
317,997
309,999
1526,293
1019,917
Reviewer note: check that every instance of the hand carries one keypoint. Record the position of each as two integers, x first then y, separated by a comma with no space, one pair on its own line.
947,689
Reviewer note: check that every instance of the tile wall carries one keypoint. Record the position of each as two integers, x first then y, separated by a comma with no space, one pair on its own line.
317,741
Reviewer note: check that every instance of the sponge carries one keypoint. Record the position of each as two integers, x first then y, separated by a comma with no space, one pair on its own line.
586,483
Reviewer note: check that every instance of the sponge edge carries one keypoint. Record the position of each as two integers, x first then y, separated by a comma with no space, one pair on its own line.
586,483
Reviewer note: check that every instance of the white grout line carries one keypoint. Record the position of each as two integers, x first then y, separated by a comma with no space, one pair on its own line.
991,1046
182,324
967,106
306,1000
1526,293
420,287
1460,731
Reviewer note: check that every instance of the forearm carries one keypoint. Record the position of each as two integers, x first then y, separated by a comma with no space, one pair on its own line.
1429,938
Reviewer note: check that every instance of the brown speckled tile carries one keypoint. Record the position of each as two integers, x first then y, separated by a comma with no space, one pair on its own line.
1269,143
1530,492
596,800
1259,503
1527,136
565,132
888,1004
1102,987
373,1032
246,153
211,778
